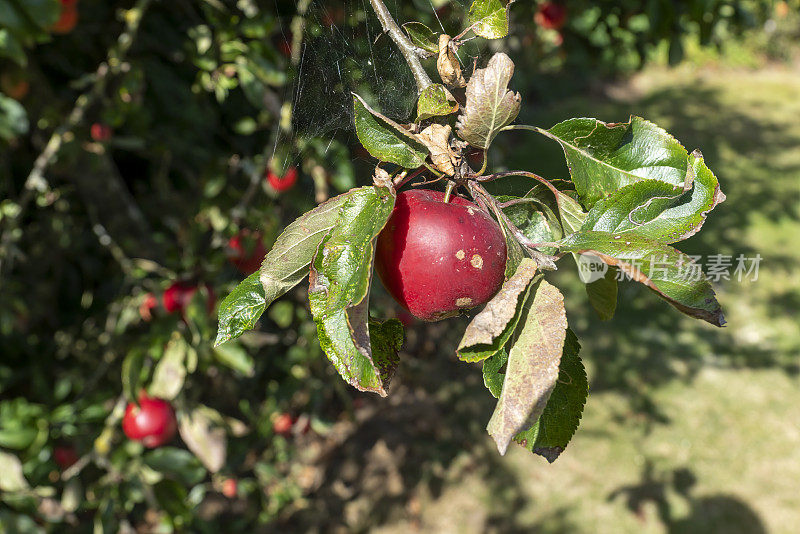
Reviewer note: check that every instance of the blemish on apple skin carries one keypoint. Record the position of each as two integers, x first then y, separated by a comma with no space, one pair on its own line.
461,254
463,302
477,261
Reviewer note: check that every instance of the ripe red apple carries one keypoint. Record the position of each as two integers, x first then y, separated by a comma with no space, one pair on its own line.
179,294
152,423
68,19
282,183
14,85
551,15
247,251
438,258
65,456
230,488
149,303
283,424
100,132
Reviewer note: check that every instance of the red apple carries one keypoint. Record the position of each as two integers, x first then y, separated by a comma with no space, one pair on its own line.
65,456
230,488
551,16
438,258
247,251
149,303
14,85
283,424
152,423
179,294
68,19
100,132
282,183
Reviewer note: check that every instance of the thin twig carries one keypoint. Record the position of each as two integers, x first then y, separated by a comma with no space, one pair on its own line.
410,52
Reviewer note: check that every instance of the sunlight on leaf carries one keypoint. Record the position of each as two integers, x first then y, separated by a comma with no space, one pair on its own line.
490,105
532,368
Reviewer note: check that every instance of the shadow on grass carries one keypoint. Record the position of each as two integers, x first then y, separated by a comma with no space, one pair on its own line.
706,514
428,436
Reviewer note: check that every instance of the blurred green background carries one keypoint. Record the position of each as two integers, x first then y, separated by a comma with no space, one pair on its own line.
137,141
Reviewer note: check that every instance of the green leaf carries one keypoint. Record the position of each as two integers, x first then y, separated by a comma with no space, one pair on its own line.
386,140
12,480
536,220
234,356
494,372
532,368
490,105
284,266
11,48
603,295
204,437
386,340
339,285
13,118
658,210
44,13
490,18
132,367
435,101
668,272
170,371
176,463
422,36
604,157
13,19
17,437
571,214
491,329
550,435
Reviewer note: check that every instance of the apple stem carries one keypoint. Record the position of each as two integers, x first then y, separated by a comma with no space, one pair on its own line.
449,190
403,180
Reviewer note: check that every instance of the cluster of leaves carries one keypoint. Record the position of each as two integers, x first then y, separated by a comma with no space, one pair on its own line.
634,190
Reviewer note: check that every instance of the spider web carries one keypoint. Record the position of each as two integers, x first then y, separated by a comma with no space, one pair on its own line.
345,50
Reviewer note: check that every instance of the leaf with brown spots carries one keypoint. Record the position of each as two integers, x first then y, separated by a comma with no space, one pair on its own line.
490,105
671,274
493,326
532,368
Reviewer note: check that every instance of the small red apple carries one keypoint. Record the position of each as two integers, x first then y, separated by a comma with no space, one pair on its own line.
149,303
100,132
230,488
247,251
65,456
69,3
283,424
68,19
179,294
551,15
438,258
282,183
14,85
152,423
